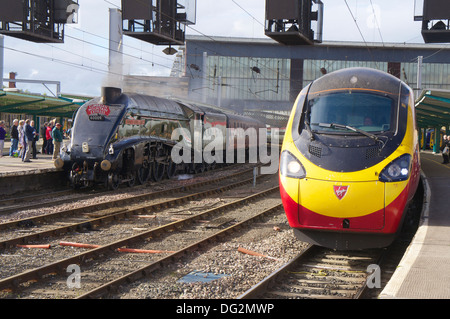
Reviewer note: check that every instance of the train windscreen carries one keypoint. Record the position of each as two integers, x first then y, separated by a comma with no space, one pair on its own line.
95,124
364,111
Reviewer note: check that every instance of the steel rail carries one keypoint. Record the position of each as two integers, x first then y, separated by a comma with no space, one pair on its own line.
13,208
5,208
263,285
120,214
20,199
115,203
60,266
144,271
310,251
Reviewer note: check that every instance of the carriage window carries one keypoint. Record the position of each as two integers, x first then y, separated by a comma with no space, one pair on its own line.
366,111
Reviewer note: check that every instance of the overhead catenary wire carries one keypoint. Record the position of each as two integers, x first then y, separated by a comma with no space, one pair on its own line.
276,72
265,75
376,22
360,32
283,75
101,71
259,22
98,70
205,76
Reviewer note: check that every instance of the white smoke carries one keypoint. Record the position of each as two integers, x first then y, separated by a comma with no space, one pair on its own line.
115,63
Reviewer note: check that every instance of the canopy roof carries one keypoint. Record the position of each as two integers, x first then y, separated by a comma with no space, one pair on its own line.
40,105
433,108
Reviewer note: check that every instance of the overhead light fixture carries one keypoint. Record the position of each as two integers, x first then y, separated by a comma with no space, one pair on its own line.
169,51
194,67
256,69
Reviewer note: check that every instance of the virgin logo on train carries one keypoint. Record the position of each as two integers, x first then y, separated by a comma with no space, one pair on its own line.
98,109
340,191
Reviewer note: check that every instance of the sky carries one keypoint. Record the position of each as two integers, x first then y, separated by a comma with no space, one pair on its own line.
80,63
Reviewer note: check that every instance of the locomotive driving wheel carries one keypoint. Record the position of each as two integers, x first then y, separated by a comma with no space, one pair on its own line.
131,179
158,171
74,179
143,173
171,169
74,176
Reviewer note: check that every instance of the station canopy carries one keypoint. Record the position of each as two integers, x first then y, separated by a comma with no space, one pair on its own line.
433,108
40,105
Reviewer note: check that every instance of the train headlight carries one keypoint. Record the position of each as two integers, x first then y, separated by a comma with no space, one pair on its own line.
290,166
398,170
85,147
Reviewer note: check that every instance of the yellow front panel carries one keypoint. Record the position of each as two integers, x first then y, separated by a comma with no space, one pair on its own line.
393,190
365,195
361,198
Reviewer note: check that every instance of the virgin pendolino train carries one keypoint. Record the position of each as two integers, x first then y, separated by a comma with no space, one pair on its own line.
350,165
127,138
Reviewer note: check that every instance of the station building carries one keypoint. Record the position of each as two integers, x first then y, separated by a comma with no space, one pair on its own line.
243,73
262,76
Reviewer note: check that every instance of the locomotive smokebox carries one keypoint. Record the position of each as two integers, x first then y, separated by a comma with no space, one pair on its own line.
110,94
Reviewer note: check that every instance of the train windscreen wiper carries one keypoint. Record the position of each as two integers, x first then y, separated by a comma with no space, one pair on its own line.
308,128
351,128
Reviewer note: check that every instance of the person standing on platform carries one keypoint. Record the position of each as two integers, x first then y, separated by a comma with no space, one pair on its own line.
29,137
57,136
14,138
44,138
2,137
48,135
22,142
445,149
35,139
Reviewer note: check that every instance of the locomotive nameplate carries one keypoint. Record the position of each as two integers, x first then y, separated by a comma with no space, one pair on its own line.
98,109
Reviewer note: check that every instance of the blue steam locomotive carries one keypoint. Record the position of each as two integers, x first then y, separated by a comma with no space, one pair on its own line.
127,138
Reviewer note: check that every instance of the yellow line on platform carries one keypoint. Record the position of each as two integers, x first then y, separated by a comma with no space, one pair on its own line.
440,163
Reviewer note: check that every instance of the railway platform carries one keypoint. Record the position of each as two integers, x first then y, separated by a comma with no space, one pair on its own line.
10,166
423,271
21,177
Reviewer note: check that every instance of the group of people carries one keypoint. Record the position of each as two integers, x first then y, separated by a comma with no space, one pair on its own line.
445,148
52,138
24,137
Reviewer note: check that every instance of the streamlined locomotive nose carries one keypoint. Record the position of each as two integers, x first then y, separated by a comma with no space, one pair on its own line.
345,180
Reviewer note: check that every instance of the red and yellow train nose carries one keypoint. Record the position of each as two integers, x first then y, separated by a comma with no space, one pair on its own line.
362,201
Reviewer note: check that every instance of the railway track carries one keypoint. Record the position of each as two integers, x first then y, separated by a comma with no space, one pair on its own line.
180,227
13,204
319,273
106,215
129,198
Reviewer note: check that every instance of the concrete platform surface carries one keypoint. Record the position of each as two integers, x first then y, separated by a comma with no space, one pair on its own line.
423,272
14,166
